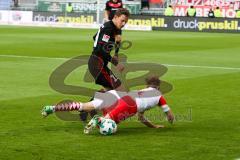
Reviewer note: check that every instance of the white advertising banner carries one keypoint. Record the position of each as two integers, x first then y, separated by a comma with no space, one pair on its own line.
16,17
4,16
49,19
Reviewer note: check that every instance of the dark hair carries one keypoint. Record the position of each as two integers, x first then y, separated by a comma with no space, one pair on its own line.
153,81
122,11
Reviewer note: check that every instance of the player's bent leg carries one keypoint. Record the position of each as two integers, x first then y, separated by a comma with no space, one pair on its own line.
70,106
66,105
83,116
88,108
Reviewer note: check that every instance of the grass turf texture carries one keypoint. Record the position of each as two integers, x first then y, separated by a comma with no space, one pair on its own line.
205,100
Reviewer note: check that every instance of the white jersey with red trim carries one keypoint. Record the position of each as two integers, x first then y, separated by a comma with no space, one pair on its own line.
145,99
148,98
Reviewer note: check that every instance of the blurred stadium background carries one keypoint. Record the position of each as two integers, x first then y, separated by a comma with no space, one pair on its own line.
146,14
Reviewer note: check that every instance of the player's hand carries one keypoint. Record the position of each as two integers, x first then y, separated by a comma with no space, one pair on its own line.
120,67
158,126
170,116
115,58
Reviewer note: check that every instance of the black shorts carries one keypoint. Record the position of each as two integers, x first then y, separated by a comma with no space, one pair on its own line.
102,74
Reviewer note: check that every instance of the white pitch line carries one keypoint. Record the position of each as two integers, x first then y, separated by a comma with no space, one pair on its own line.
169,65
30,57
207,67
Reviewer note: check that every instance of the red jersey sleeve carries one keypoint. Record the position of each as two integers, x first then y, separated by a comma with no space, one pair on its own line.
162,101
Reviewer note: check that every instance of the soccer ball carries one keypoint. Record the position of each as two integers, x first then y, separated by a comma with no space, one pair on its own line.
107,127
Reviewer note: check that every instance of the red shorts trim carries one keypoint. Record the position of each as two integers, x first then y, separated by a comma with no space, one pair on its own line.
126,107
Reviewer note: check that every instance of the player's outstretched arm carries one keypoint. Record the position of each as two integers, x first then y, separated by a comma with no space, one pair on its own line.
170,116
118,40
166,109
146,122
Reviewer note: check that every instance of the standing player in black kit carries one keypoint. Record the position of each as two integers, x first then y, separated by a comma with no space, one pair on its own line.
104,40
111,7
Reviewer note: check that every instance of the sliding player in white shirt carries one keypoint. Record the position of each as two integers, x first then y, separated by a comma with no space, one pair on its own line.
119,106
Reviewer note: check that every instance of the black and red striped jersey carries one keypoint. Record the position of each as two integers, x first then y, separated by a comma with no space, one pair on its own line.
104,41
112,7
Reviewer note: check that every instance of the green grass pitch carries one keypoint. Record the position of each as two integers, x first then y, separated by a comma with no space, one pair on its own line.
204,69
